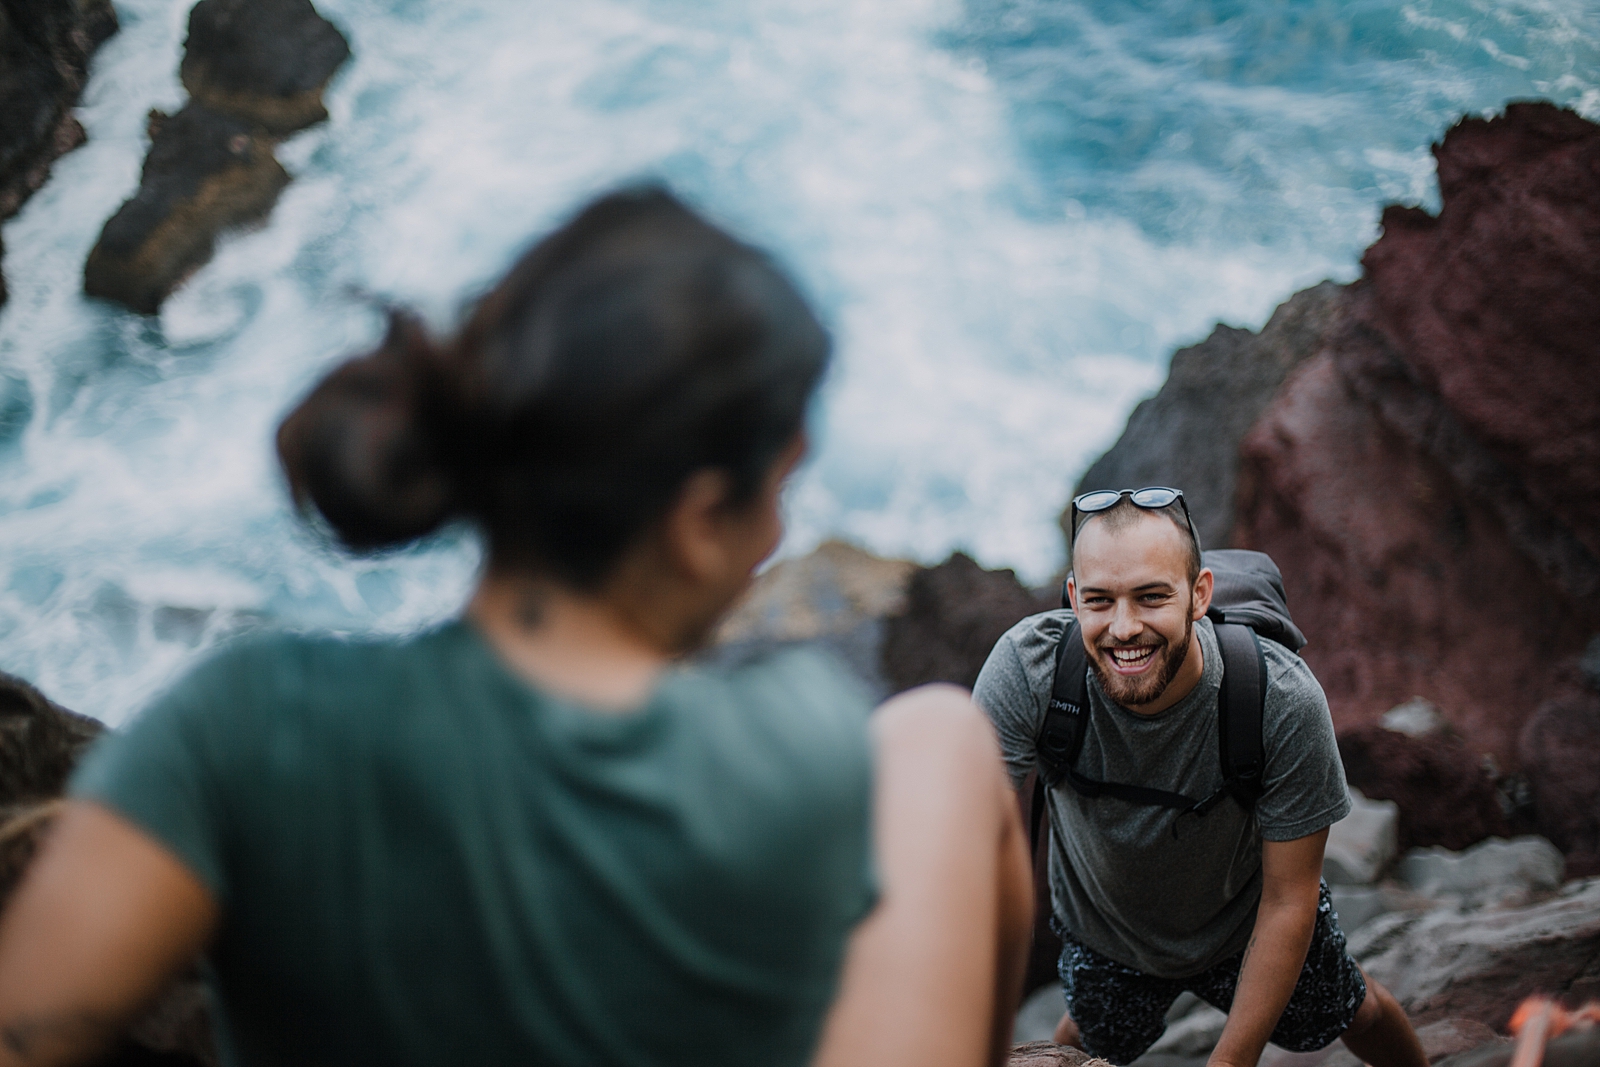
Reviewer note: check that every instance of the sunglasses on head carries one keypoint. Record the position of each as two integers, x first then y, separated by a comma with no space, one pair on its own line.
1151,498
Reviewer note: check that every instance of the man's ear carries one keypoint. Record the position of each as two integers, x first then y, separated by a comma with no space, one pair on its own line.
1072,592
691,530
1204,586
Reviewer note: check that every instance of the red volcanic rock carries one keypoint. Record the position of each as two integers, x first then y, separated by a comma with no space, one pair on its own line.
1405,581
1445,797
1429,482
1495,304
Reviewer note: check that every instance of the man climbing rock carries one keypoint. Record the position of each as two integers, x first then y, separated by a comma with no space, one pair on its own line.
1192,777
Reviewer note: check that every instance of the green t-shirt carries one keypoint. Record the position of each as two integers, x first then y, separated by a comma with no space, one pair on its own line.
422,860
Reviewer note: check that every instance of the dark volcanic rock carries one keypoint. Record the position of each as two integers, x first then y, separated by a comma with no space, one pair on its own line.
206,172
40,742
1187,435
955,612
263,61
45,47
1445,797
1560,750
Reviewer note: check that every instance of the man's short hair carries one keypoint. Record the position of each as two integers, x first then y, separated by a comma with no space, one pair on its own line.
1124,513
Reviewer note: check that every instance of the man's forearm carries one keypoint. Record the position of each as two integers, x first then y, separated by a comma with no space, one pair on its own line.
1267,978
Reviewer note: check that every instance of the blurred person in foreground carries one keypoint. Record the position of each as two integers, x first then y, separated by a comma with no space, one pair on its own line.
1153,897
530,835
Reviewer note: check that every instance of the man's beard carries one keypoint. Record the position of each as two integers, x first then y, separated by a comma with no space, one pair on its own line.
1147,687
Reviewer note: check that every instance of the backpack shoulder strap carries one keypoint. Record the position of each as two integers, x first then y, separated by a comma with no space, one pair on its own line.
1239,705
1066,715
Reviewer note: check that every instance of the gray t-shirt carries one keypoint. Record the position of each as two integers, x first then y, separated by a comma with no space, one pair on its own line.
1120,882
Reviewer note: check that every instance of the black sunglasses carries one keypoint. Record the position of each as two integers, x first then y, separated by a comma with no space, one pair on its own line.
1151,498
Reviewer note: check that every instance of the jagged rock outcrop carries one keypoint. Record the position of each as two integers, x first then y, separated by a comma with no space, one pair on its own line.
263,61
256,71
1560,751
954,614
206,172
1188,434
45,46
1444,795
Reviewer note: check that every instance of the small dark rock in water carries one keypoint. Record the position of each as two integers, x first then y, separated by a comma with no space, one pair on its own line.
206,172
1445,798
1560,750
45,47
954,614
263,61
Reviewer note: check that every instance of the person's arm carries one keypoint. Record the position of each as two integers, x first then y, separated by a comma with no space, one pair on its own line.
1291,873
103,919
934,973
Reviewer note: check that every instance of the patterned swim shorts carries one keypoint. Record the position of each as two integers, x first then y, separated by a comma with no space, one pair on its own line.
1121,1011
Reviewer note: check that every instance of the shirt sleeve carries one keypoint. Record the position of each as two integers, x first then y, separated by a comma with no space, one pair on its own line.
161,773
1305,788
1006,690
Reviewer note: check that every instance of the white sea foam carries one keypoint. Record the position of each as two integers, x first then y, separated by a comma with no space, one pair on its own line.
1004,250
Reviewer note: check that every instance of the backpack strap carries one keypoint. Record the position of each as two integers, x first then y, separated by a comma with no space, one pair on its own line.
1240,703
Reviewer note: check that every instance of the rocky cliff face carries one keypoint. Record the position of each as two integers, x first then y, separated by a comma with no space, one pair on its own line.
45,47
1423,462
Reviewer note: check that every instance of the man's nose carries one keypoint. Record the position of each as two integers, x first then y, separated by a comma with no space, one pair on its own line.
1125,623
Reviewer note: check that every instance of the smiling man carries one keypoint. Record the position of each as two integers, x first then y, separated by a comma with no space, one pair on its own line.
1225,901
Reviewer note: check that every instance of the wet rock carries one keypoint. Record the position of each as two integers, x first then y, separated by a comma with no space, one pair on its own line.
45,47
206,172
1188,434
1480,964
1362,844
1442,793
265,62
1487,873
954,614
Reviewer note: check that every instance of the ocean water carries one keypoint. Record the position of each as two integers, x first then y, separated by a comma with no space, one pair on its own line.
1009,211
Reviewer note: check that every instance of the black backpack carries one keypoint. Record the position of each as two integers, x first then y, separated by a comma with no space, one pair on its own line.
1247,604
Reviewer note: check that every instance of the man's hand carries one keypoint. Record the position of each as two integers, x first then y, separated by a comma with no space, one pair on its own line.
1291,873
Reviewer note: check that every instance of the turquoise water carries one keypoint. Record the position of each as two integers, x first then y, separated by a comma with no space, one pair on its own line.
1009,212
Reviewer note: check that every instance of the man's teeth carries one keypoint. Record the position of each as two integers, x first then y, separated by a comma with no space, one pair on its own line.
1132,657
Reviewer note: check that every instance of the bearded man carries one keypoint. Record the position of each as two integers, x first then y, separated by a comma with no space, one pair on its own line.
1149,902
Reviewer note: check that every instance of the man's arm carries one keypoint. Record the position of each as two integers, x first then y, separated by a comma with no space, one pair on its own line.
1291,873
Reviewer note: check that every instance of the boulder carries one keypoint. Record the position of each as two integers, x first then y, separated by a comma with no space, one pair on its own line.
1188,1040
265,62
954,614
45,47
1049,1054
1489,872
1187,435
1560,751
1480,964
1447,1037
836,597
206,172
1442,793
1581,1048
1362,844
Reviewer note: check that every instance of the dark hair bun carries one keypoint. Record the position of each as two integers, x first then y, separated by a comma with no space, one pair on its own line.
365,447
